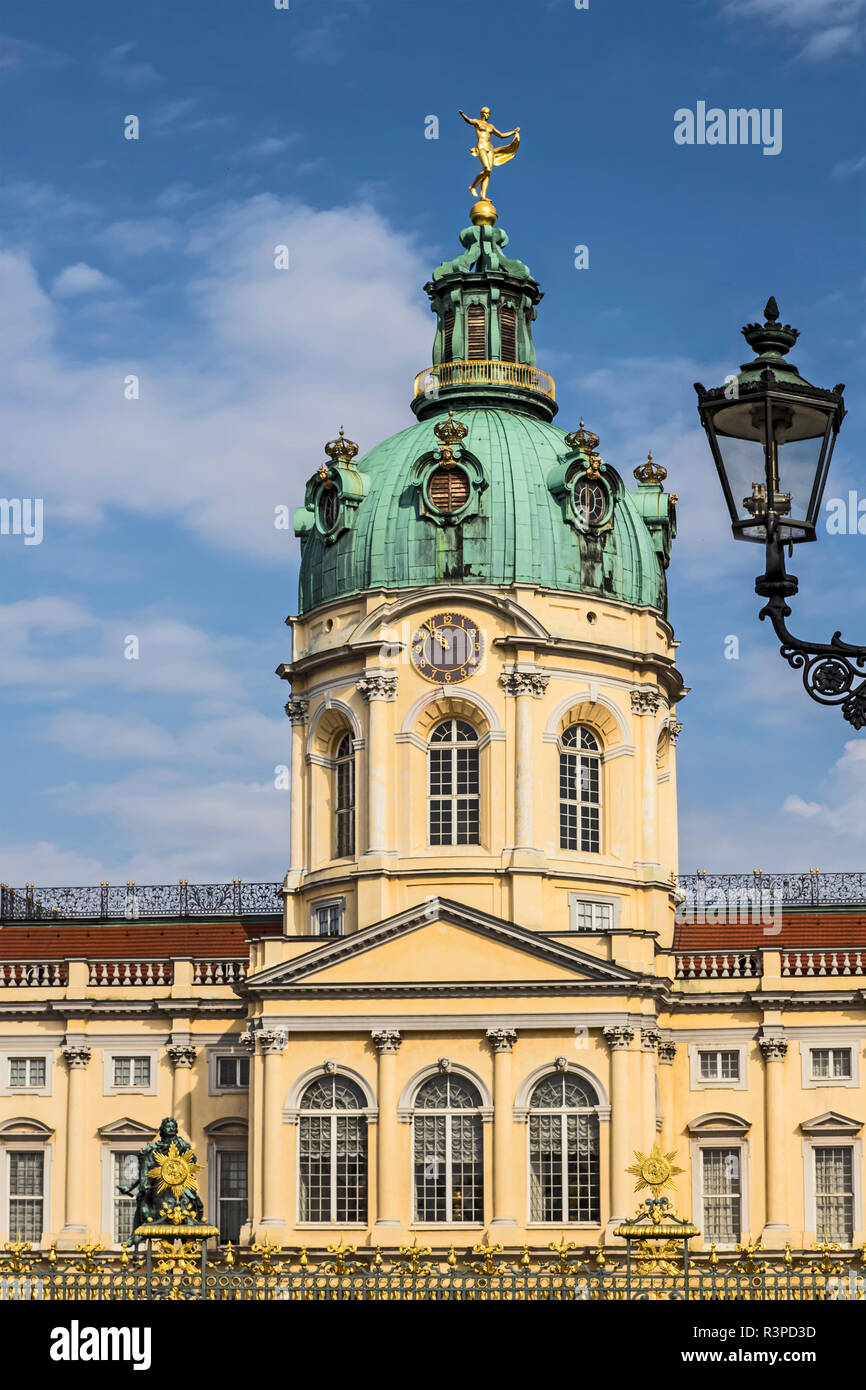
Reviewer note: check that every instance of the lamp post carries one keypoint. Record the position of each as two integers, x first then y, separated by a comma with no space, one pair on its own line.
772,435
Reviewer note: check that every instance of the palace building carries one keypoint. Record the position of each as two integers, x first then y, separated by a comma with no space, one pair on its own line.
478,990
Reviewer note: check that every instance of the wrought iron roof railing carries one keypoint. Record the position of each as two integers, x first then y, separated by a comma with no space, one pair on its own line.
482,371
813,888
106,902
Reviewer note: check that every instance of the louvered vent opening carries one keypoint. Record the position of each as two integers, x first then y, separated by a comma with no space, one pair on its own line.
448,335
476,338
448,489
507,334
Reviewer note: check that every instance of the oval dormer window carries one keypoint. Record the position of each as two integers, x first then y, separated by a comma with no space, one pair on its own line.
329,508
590,501
448,489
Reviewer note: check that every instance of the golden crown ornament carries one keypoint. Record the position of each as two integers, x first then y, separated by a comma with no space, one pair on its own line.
342,451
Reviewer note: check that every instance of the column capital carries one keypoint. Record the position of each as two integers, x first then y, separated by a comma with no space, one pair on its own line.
182,1055
667,1051
386,1040
377,685
618,1037
76,1055
524,682
502,1039
247,1039
297,708
675,728
645,699
273,1040
773,1047
650,1039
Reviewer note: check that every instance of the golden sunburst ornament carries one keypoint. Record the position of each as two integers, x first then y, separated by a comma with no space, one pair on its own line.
175,1171
654,1170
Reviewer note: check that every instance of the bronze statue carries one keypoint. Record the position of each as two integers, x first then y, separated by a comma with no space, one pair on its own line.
485,151
166,1183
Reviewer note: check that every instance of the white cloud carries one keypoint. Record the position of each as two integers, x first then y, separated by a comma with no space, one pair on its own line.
824,28
81,279
140,237
118,65
846,167
270,146
798,807
232,418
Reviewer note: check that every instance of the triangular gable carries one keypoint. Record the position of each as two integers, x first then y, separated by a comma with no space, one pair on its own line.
450,944
831,1122
127,1129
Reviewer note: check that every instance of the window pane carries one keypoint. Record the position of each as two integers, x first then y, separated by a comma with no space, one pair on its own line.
720,1175
709,1066
579,791
124,1172
430,1171
141,1071
25,1195
37,1071
243,1065
232,1167
333,1152
226,1071
18,1071
122,1071
834,1194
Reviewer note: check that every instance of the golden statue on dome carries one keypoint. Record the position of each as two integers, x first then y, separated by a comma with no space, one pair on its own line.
489,156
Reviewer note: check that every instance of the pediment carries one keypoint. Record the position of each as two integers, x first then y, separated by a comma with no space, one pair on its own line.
24,1127
127,1129
443,945
227,1127
719,1122
831,1122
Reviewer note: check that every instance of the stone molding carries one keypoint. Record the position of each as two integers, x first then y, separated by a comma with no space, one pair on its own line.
502,1039
773,1048
273,1039
645,699
533,683
76,1055
297,710
377,685
667,1051
182,1055
675,728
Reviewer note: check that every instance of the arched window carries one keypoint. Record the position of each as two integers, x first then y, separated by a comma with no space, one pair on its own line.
448,1147
344,797
563,1150
580,790
333,1152
454,784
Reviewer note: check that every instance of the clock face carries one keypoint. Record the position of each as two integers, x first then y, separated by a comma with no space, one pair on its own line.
446,648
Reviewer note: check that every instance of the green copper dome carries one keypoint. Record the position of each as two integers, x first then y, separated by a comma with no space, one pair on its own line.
484,489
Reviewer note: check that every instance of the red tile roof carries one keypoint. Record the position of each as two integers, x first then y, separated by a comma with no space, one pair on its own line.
110,941
798,930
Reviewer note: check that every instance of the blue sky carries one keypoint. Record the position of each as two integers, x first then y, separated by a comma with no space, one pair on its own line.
306,127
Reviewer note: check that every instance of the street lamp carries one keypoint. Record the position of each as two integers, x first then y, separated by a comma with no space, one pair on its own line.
772,434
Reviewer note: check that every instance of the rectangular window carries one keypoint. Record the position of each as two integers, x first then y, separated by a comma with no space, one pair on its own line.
448,335
124,1170
345,812
831,1063
720,1066
476,336
233,1073
507,334
590,916
26,1194
232,1193
26,1072
132,1071
328,919
834,1194
721,1195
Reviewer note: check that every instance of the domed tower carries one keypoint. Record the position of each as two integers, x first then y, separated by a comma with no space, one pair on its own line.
483,683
